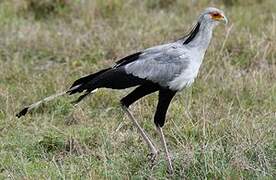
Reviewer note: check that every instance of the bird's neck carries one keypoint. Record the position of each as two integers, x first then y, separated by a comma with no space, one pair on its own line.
200,36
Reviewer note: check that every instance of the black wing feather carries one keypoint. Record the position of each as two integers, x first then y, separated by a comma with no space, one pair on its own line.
87,78
127,59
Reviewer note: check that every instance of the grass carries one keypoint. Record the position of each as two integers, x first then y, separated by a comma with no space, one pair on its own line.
223,127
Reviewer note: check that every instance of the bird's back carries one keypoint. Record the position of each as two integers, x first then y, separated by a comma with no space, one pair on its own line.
165,64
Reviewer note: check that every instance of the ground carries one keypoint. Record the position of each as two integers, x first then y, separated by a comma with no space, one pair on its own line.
223,127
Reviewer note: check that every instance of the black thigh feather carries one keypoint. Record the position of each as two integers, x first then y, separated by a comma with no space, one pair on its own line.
164,99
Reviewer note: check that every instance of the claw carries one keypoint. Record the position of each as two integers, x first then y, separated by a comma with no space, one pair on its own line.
170,171
152,157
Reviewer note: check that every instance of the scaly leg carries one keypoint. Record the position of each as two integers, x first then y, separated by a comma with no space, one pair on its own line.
154,151
139,92
170,168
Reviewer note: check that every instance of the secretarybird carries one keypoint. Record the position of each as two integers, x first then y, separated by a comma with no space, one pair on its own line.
166,68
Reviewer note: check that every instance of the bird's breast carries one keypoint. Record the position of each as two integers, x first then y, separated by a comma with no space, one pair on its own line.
186,77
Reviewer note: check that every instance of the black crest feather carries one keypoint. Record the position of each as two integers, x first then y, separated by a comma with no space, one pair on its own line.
192,34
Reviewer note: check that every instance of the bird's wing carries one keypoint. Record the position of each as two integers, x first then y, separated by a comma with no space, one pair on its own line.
127,59
137,56
160,64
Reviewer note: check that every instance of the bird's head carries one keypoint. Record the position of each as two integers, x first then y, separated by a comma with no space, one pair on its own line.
213,16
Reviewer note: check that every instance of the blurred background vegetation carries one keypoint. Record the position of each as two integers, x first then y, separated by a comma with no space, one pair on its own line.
221,128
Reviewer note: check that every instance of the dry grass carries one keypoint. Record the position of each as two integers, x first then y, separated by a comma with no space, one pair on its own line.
221,128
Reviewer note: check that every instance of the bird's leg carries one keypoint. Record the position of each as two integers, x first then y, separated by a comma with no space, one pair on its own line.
165,97
154,151
139,92
163,141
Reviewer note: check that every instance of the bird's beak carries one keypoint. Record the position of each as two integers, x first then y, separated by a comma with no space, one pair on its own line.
220,17
224,19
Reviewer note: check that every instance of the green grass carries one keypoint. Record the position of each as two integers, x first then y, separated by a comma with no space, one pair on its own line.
223,127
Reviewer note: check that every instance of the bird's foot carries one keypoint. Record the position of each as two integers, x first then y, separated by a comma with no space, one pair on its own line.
170,170
152,157
170,167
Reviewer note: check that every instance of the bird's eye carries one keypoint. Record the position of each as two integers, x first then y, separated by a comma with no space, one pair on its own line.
215,15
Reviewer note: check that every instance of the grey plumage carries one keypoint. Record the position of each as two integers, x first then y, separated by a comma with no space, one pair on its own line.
160,64
175,65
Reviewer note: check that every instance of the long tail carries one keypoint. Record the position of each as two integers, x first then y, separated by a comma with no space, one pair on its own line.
77,87
24,111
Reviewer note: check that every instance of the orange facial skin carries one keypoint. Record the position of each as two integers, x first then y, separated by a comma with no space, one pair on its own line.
216,16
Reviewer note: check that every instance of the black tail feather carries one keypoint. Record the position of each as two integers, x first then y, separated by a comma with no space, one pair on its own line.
114,78
80,98
77,86
23,112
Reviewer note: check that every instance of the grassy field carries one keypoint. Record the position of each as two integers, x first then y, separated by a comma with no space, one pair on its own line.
223,127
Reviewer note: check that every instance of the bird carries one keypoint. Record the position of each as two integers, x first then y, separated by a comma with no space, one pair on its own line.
166,68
